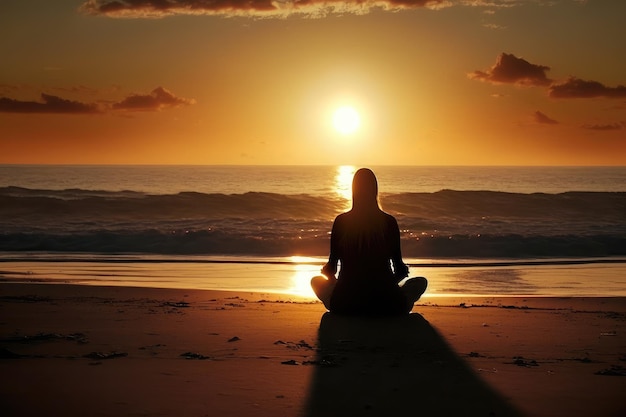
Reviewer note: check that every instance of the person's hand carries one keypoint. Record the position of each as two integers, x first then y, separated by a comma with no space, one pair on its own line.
401,271
329,271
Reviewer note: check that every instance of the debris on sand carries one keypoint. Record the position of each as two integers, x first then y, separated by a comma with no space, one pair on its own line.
102,355
179,304
520,361
614,370
193,355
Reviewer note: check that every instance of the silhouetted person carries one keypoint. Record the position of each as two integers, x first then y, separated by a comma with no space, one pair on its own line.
366,241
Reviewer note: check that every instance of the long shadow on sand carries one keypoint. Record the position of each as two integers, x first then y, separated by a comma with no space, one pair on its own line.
392,367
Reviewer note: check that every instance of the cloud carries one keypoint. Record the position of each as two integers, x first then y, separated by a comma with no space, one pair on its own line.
49,104
255,8
510,69
608,126
498,4
493,26
576,88
541,118
272,8
158,99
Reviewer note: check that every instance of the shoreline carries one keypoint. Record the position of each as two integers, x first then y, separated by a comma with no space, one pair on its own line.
425,300
432,262
292,275
105,351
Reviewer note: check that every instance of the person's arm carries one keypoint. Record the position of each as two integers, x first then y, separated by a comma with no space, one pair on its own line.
330,269
400,270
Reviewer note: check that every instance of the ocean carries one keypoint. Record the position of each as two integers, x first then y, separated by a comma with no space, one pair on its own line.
470,230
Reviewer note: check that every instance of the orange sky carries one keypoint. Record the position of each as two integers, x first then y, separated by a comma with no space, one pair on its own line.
436,83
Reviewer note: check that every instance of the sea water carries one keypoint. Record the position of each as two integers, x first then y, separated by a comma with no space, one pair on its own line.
470,230
313,180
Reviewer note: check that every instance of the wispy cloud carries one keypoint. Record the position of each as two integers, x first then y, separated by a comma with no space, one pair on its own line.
606,126
493,4
576,88
48,104
253,8
510,69
158,99
275,8
493,26
541,118
138,9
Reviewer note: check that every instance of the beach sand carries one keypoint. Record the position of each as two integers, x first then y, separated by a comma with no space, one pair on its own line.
68,350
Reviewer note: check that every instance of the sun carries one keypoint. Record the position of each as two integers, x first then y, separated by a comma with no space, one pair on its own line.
346,120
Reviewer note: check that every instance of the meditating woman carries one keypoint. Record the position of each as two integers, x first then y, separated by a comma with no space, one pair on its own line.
366,242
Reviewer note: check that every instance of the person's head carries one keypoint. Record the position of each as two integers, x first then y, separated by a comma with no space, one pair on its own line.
364,190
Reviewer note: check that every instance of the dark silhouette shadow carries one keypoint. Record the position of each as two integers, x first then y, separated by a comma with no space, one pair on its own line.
391,367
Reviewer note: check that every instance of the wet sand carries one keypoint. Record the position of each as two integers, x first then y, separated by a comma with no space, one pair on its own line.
72,350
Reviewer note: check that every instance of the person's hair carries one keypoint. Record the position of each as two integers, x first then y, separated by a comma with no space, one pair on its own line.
365,190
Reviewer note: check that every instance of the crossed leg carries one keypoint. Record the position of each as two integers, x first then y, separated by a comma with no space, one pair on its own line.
323,288
413,289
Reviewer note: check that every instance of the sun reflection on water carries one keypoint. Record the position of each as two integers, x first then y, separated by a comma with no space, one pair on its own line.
343,183
303,270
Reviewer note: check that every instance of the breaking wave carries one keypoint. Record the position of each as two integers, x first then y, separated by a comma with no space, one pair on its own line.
446,223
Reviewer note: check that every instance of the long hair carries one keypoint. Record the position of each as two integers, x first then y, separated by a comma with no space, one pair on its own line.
365,191
369,229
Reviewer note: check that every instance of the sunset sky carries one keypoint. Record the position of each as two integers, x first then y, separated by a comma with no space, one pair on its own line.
456,82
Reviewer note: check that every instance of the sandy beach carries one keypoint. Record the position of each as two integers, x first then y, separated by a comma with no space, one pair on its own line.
68,350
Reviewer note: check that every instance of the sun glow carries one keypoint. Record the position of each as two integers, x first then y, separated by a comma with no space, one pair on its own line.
346,120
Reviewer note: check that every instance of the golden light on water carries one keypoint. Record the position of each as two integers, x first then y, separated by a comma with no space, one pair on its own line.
343,182
304,269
